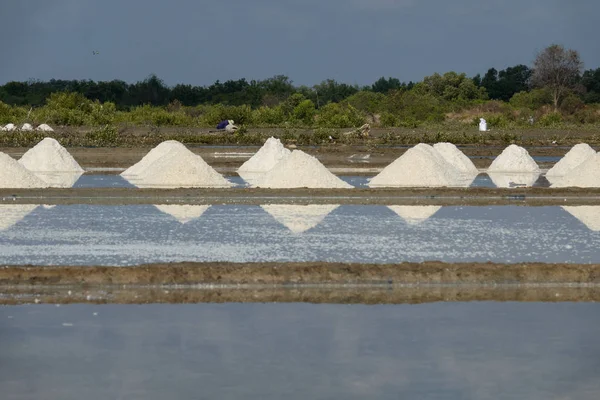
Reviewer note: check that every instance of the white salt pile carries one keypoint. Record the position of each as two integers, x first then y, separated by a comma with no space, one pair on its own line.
182,213
10,214
26,127
588,215
577,155
514,159
49,156
454,156
59,179
44,128
299,219
9,127
513,180
153,155
266,158
14,175
419,166
586,174
414,215
300,170
179,167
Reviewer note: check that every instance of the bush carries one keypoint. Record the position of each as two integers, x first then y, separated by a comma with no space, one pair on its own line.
551,119
105,136
268,116
531,100
334,115
571,104
305,112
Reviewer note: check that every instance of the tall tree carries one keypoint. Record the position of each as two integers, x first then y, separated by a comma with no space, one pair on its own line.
557,69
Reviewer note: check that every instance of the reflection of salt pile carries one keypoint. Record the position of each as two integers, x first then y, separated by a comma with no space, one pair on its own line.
44,128
514,159
153,155
586,174
508,180
588,215
11,214
299,219
182,213
264,160
59,179
414,215
179,167
49,156
575,157
14,175
300,170
454,156
420,166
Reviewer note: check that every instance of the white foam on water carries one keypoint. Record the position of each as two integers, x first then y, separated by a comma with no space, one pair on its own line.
420,166
586,174
457,158
10,214
514,159
512,180
577,155
183,213
179,167
414,215
299,219
9,127
300,170
26,127
49,156
14,175
44,128
153,155
266,157
588,215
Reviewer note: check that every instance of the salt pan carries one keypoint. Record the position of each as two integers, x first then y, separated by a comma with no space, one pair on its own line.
586,174
183,213
14,175
153,155
10,214
300,170
414,215
588,215
457,158
299,219
419,166
514,159
577,155
49,156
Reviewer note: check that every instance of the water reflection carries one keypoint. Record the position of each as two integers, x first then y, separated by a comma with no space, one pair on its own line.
414,215
451,351
12,214
299,219
182,213
588,215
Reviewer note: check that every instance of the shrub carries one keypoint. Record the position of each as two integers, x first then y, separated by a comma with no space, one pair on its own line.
571,104
551,119
105,136
334,115
305,112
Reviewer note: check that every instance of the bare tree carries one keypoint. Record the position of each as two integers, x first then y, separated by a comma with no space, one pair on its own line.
557,69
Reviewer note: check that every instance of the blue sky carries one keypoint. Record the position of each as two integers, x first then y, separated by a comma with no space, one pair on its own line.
354,41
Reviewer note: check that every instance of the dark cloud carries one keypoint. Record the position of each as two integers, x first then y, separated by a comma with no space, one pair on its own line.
355,41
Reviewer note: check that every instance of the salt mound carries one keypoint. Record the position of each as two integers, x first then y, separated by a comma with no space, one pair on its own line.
586,174
457,158
420,166
299,219
266,158
49,156
414,215
59,179
514,159
14,175
26,127
577,155
511,180
153,155
10,214
182,213
588,215
44,128
180,168
300,170
9,127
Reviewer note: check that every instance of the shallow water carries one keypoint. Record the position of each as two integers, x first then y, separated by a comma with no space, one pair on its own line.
135,234
451,351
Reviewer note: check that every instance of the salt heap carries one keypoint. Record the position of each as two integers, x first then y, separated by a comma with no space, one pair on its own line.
44,128
588,215
182,213
419,166
264,160
153,155
9,127
299,219
14,175
300,170
179,167
514,159
414,215
577,155
513,180
10,214
454,156
49,156
26,127
586,174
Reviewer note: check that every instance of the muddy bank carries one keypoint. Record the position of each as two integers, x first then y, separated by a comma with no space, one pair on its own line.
304,273
535,196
